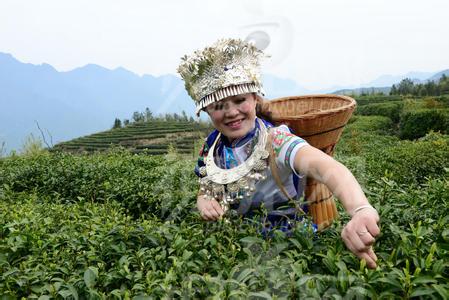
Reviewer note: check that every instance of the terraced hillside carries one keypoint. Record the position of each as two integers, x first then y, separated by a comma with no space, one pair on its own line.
154,137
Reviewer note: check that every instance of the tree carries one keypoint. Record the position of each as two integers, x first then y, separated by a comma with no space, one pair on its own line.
138,117
126,122
431,88
393,90
420,90
406,87
168,117
117,123
184,116
444,84
443,78
148,115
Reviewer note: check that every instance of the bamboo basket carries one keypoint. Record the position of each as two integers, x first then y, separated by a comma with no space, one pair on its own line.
319,119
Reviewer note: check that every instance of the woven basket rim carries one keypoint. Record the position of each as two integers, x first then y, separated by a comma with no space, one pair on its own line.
351,103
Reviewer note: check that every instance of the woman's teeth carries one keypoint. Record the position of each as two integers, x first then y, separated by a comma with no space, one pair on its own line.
235,123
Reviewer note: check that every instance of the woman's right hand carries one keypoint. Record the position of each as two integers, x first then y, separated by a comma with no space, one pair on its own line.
209,208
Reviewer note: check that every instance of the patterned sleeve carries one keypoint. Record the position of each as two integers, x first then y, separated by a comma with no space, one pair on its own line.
285,146
204,151
200,163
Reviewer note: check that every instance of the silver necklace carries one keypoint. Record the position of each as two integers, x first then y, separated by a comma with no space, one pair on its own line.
231,185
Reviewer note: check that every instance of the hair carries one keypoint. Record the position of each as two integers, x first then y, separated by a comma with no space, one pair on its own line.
263,109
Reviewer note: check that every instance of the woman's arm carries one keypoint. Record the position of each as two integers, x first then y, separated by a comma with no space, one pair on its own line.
359,233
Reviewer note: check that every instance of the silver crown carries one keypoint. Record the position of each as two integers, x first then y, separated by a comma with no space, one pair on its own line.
227,68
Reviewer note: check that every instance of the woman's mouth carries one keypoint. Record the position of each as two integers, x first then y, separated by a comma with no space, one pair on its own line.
235,124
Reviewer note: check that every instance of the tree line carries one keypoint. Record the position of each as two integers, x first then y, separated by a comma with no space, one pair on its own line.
430,88
148,116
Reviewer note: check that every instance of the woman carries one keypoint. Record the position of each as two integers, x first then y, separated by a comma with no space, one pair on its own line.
246,163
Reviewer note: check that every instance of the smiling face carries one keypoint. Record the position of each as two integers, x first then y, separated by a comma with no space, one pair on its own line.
234,116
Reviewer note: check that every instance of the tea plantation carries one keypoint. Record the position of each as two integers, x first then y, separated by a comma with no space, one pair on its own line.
117,225
152,137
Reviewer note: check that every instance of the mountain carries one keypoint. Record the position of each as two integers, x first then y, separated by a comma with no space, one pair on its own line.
389,80
438,75
79,102
383,83
276,87
85,100
359,91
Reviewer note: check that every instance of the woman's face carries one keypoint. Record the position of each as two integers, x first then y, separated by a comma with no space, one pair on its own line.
234,116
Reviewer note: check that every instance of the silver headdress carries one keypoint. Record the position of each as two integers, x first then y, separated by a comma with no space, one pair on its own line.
227,68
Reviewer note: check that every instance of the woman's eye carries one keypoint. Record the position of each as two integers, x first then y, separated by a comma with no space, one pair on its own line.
240,101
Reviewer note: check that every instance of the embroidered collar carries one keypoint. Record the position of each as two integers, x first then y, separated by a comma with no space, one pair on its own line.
230,185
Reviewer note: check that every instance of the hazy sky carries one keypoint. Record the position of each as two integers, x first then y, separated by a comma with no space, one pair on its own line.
319,43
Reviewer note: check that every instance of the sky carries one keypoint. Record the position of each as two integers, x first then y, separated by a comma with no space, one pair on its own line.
317,43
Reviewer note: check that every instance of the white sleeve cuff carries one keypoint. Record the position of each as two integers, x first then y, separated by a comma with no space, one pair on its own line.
293,155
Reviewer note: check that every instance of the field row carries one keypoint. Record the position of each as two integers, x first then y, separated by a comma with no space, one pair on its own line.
150,137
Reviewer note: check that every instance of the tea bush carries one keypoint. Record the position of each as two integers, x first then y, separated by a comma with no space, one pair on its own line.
371,124
370,99
411,162
122,226
84,249
417,123
388,109
365,134
137,182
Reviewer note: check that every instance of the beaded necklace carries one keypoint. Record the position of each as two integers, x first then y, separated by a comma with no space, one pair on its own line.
231,185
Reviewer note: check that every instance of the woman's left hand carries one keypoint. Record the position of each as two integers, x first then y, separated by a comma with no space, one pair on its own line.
359,235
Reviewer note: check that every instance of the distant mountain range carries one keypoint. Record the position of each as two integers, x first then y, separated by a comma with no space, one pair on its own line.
383,83
88,99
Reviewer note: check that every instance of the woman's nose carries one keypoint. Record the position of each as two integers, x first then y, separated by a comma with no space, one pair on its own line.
231,109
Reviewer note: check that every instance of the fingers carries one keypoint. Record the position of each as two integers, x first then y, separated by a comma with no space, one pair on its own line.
362,252
362,240
360,243
367,220
357,241
370,258
211,210
373,228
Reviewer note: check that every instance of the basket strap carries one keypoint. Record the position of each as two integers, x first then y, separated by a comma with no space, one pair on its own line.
275,173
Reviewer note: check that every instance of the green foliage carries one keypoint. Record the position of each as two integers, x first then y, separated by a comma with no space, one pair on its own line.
371,99
357,143
371,124
430,88
411,162
432,102
147,116
136,182
96,250
149,137
443,99
405,87
115,225
117,123
417,123
387,109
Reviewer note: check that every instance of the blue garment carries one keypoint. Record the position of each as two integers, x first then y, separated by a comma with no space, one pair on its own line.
279,210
